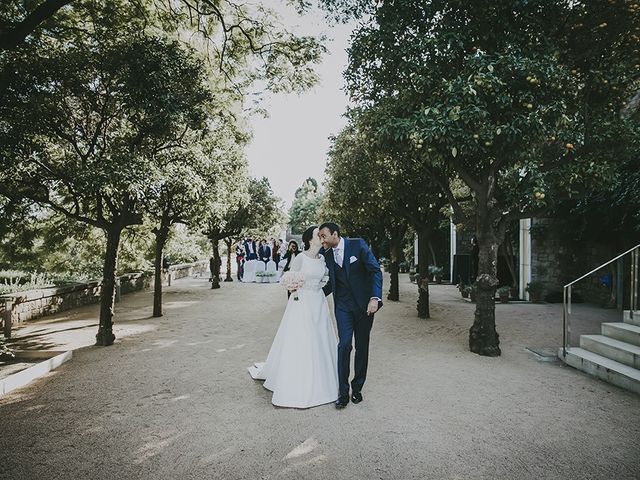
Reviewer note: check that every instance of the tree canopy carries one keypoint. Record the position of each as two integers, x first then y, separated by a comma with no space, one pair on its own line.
524,102
305,207
132,114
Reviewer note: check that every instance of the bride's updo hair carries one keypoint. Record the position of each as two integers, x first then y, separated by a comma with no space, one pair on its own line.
307,236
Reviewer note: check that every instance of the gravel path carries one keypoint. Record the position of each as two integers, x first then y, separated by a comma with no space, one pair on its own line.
172,399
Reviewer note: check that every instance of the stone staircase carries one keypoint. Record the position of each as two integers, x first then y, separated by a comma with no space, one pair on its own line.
613,356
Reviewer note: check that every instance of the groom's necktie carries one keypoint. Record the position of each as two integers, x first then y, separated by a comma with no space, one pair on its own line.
338,257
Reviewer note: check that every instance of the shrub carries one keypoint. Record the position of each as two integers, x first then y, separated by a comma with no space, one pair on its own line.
19,284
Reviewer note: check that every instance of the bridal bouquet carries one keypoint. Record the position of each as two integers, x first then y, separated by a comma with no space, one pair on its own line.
293,281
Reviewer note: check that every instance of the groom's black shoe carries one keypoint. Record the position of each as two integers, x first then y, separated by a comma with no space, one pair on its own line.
342,401
356,397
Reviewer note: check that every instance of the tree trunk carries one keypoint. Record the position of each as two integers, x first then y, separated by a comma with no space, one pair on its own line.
423,271
395,247
229,243
105,335
215,273
483,337
161,239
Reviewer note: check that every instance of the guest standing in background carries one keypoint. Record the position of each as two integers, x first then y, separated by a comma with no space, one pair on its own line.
275,252
250,249
290,254
292,251
264,251
240,254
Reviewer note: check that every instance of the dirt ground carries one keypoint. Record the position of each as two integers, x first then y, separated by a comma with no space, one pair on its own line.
172,398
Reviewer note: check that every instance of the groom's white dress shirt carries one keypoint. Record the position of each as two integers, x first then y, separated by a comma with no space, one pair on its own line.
338,252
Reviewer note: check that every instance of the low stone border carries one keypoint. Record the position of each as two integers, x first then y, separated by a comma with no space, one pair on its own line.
52,360
543,354
20,307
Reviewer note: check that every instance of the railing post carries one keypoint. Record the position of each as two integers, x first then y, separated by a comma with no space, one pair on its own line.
620,284
564,322
633,300
8,311
569,315
634,281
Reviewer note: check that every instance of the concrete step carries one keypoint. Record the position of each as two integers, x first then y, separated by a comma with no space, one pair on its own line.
603,368
611,348
627,318
622,331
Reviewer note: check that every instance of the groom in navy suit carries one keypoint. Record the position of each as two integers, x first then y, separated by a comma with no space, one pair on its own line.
356,283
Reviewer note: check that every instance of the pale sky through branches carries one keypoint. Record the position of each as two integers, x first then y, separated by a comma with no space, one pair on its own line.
291,144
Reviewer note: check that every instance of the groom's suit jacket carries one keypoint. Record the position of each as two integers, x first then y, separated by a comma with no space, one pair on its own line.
362,270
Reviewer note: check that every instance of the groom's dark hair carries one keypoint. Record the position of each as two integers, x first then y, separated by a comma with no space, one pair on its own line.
331,226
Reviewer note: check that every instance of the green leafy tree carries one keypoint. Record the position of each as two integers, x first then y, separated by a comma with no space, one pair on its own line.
186,245
305,205
19,230
520,101
49,243
196,177
360,199
264,210
254,210
261,216
384,184
246,46
84,124
246,43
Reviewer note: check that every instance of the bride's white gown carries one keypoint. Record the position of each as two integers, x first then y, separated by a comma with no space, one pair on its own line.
301,368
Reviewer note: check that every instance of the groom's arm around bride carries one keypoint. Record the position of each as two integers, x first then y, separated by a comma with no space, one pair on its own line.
372,267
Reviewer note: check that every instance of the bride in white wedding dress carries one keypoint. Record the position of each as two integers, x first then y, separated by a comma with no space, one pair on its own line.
301,368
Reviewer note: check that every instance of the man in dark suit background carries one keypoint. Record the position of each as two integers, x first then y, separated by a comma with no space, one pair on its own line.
250,249
264,251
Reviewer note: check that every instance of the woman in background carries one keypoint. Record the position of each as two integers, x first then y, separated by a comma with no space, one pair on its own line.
240,254
292,251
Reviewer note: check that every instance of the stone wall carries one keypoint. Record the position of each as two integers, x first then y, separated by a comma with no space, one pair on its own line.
554,263
549,256
596,288
38,303
189,269
134,282
33,304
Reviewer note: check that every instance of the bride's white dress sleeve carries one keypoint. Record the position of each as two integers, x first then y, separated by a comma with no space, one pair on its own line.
325,277
296,264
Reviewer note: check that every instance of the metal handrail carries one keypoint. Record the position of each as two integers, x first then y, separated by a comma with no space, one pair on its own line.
566,295
603,265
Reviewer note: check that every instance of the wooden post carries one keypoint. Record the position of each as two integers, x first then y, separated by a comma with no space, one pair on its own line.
8,310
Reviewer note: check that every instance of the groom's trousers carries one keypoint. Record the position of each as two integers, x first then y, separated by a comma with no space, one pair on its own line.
352,324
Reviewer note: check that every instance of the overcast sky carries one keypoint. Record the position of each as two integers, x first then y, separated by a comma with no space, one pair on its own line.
291,144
